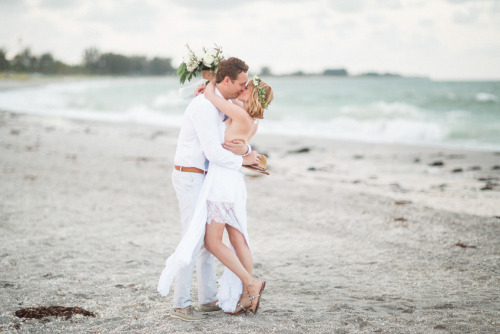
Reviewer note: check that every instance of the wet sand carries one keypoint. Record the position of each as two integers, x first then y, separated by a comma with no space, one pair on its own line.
350,237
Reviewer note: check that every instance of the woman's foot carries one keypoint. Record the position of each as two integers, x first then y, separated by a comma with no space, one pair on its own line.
254,290
243,305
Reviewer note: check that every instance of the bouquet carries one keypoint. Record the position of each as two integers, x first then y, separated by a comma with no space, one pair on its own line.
196,61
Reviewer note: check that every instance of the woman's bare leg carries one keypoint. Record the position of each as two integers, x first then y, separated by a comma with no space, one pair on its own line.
240,245
214,244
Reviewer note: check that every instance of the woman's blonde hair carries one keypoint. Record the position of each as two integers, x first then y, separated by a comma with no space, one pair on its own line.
255,105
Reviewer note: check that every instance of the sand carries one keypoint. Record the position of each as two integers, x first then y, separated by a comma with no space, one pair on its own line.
350,237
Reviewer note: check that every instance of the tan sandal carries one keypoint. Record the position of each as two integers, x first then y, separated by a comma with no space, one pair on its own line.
254,309
242,309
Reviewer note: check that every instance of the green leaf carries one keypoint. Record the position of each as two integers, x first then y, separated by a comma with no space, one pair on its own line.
182,68
183,77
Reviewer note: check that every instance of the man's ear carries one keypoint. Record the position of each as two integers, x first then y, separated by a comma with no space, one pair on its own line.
226,80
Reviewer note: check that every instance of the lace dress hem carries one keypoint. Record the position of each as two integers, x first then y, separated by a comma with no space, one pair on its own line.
223,213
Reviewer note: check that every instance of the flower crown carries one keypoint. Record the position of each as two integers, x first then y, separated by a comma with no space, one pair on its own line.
196,61
262,92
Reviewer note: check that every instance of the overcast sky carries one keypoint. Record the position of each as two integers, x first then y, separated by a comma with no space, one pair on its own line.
443,39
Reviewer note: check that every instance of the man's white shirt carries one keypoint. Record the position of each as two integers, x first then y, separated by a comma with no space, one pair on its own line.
200,138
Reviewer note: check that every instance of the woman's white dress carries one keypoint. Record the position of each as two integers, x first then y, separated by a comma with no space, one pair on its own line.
223,199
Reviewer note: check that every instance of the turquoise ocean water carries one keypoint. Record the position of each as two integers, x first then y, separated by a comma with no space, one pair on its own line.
392,110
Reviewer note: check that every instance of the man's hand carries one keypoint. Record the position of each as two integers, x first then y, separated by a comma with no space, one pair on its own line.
199,90
252,159
236,146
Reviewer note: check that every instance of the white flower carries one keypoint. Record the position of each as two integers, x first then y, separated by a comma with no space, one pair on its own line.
212,52
191,66
255,80
199,54
208,59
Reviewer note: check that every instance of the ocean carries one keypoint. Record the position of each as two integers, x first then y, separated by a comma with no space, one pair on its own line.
383,110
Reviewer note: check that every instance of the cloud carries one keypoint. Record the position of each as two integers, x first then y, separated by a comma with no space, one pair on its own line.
229,5
9,5
203,5
389,4
347,6
11,2
469,16
407,36
135,16
65,4
357,6
471,1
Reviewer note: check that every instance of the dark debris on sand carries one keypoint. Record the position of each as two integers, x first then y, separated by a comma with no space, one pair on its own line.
403,202
52,311
300,150
462,245
437,164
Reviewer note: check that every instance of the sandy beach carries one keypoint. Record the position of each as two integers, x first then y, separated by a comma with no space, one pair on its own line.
350,237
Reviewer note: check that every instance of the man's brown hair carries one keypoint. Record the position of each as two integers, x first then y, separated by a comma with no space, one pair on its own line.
231,68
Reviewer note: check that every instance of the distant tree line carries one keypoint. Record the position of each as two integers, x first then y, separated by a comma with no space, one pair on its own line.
116,64
26,62
342,72
93,62
96,63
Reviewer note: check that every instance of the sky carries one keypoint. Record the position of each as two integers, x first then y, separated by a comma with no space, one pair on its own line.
442,39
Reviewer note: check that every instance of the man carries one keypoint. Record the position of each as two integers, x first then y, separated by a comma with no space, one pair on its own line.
199,141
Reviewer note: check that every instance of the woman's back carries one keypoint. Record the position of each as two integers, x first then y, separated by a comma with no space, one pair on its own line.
243,128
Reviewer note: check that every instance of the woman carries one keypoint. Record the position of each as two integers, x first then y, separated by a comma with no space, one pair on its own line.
226,202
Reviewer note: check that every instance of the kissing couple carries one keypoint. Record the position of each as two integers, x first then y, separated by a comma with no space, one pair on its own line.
212,147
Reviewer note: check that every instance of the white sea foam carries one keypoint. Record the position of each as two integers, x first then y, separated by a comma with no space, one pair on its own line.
382,108
393,130
77,100
485,97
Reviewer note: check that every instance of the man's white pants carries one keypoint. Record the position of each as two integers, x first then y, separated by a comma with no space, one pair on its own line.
187,187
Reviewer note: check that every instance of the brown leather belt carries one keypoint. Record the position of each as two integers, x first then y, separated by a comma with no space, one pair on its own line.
190,169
